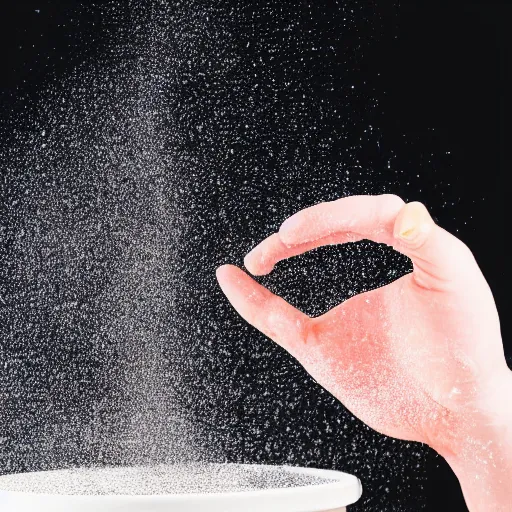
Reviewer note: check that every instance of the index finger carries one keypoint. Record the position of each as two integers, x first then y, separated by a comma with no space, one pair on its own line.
345,220
367,216
438,257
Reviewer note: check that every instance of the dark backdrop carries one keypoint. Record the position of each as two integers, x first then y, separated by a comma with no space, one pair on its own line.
424,109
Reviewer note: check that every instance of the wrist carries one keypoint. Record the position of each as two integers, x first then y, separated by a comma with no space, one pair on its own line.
481,453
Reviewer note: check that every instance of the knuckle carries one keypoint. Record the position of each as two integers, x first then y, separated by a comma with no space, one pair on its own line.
392,201
387,208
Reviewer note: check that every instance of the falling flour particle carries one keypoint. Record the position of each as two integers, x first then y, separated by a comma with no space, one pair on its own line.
158,480
181,136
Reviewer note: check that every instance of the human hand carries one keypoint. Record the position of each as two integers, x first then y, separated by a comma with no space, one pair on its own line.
420,359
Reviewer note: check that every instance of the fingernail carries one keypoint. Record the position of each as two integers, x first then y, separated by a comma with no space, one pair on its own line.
248,259
220,270
411,221
290,225
256,263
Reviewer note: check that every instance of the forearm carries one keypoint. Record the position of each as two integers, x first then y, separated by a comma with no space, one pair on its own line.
483,461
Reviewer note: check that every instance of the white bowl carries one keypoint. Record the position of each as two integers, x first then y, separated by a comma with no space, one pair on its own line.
339,491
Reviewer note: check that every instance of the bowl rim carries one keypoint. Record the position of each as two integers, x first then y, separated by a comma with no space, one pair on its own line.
342,490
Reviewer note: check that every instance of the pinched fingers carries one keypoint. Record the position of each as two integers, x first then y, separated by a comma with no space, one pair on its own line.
438,256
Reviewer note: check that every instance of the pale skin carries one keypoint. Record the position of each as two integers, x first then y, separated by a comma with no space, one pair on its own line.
420,359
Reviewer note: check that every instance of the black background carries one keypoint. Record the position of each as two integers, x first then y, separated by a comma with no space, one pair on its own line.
444,67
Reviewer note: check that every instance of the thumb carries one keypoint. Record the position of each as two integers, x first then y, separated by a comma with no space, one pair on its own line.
439,258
